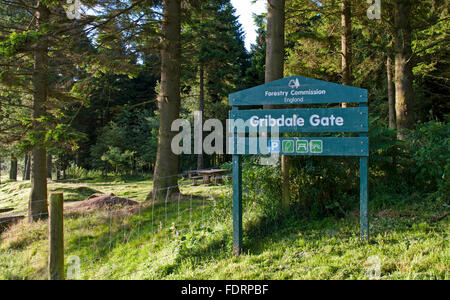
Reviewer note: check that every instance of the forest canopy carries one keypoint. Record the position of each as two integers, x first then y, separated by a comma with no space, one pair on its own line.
81,87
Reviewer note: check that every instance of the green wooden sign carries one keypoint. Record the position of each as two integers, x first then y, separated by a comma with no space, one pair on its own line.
304,120
292,91
298,90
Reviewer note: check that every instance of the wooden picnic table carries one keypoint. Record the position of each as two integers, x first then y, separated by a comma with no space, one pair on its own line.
207,174
193,173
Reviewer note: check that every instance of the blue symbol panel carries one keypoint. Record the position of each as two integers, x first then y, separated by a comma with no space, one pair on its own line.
275,146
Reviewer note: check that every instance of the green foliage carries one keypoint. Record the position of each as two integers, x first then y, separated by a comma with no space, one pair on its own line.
64,136
194,238
17,41
319,187
429,146
262,188
386,151
400,172
325,186
119,112
213,41
255,74
126,145
75,172
121,161
419,164
313,48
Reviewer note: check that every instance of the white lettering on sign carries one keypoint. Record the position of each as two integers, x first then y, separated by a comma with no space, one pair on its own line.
308,92
294,93
277,94
295,96
295,121
332,121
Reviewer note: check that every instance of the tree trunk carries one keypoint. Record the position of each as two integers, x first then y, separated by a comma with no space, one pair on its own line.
346,44
391,93
38,196
0,170
275,41
25,162
167,163
28,167
49,166
404,96
201,108
274,71
13,169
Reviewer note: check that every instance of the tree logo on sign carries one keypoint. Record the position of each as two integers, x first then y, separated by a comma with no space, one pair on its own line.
294,83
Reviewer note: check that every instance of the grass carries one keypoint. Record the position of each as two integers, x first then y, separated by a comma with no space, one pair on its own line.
15,194
161,242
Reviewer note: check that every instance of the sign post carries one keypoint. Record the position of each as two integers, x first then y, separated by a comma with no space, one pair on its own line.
364,193
291,91
237,200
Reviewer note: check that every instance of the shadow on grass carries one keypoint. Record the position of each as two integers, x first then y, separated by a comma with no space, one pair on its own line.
386,225
106,179
98,234
76,193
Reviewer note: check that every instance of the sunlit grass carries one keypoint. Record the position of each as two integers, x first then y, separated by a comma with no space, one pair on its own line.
191,238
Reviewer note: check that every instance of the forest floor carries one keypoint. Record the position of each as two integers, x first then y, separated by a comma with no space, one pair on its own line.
190,237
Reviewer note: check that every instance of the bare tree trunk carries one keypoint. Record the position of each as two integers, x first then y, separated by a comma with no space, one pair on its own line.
167,162
38,196
13,169
275,41
391,93
201,108
0,170
404,96
28,168
25,166
275,70
346,42
49,166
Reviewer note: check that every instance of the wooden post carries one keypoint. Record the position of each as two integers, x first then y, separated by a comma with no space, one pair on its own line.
56,238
